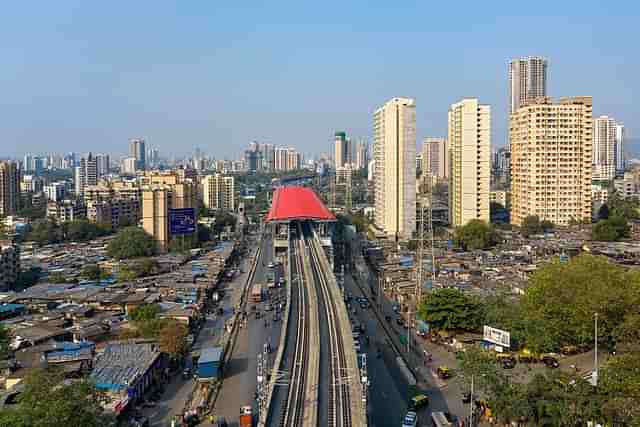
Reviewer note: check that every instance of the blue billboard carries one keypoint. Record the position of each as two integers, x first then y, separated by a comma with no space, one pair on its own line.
182,221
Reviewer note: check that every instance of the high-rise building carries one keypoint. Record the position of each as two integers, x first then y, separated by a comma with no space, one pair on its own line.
137,149
342,149
9,188
604,148
362,154
619,149
129,166
218,192
103,164
86,174
394,136
470,156
551,160
56,191
268,157
9,265
527,80
434,157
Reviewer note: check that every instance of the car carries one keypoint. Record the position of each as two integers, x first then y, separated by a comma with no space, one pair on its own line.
418,401
466,397
387,318
271,265
356,345
410,420
356,335
443,372
399,321
550,362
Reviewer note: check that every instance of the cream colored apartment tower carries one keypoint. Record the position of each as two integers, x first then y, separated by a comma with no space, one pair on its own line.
156,203
551,160
469,161
218,192
394,135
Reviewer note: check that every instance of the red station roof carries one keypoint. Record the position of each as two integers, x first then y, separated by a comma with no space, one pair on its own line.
291,203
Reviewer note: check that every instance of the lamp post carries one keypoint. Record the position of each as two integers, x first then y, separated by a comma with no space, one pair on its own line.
595,356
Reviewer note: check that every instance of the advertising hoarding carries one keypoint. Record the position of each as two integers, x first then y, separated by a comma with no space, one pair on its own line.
182,221
497,336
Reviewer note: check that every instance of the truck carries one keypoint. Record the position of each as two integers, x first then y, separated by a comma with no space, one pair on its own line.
208,367
246,416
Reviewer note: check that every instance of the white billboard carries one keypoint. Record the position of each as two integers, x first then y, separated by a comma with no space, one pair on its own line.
497,336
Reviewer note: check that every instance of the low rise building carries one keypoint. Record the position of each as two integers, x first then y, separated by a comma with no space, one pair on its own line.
66,210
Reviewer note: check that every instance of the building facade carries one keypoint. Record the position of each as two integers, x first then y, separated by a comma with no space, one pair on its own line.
66,210
435,157
604,148
137,150
9,188
342,150
86,174
394,133
9,265
470,156
218,192
362,154
551,160
527,80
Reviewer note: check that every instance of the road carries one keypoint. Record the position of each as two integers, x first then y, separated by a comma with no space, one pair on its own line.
179,390
389,391
240,381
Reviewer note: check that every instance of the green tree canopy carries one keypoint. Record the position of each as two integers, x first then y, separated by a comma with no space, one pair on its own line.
562,297
131,242
45,231
476,234
532,225
144,312
50,401
626,208
450,309
610,230
82,230
173,339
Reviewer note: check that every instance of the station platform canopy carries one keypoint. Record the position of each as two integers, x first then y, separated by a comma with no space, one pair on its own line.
297,203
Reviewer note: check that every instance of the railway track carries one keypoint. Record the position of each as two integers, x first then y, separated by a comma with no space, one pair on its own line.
339,404
294,407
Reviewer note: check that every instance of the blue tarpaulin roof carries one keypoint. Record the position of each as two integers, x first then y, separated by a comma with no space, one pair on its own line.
211,354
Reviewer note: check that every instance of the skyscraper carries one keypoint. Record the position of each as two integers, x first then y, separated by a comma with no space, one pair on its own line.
619,148
342,150
137,149
362,154
551,160
86,174
394,138
435,157
527,80
470,156
103,164
604,148
9,188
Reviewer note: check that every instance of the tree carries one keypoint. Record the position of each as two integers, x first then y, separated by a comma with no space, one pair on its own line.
45,231
603,212
49,401
476,234
450,309
532,225
144,312
131,242
4,342
626,208
223,220
173,339
82,230
562,297
610,230
204,233
144,267
504,312
620,384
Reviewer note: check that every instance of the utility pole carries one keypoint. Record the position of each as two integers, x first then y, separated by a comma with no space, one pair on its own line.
595,356
471,404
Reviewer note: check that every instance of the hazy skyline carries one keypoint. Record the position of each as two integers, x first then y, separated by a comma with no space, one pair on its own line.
80,76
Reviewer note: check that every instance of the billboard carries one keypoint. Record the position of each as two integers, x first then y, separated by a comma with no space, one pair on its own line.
182,221
497,336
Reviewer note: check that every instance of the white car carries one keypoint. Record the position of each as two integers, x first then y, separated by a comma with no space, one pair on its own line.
271,265
410,420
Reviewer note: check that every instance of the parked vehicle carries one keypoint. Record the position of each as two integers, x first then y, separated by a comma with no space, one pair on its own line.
441,419
443,372
410,420
246,416
550,362
506,360
418,401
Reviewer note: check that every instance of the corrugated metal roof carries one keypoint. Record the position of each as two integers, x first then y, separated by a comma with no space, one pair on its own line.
291,203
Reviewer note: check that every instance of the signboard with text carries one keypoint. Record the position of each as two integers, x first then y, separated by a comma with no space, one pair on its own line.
497,336
182,221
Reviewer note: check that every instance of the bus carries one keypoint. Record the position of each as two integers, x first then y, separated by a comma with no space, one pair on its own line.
256,293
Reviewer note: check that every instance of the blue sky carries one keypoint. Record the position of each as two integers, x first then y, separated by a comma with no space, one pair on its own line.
79,75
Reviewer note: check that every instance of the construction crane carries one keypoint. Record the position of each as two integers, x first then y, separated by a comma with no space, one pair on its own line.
425,232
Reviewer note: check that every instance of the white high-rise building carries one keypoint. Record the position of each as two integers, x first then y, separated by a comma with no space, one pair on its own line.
362,154
86,174
527,80
470,156
137,149
394,138
604,148
619,148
